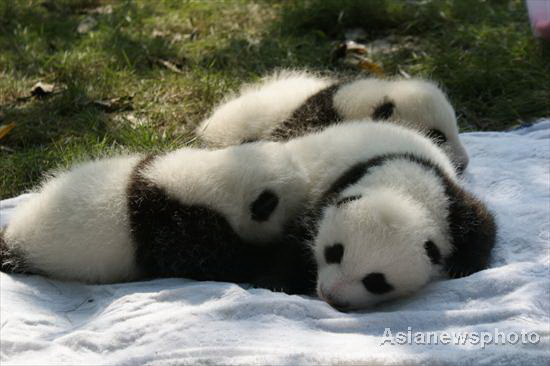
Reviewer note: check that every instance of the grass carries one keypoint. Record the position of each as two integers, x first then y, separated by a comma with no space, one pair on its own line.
149,71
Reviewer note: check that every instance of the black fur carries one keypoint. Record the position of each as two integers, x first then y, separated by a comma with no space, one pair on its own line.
262,208
316,113
347,200
432,251
350,177
376,283
193,241
473,232
249,140
471,225
334,253
384,110
437,136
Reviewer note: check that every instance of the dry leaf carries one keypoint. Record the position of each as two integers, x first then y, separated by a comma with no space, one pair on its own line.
169,65
5,129
354,47
107,9
353,53
403,73
348,48
114,104
86,25
42,89
371,67
159,33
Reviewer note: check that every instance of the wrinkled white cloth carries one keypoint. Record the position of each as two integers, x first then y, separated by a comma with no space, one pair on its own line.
178,321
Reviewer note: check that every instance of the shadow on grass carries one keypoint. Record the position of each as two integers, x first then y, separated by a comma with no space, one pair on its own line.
42,43
482,53
38,39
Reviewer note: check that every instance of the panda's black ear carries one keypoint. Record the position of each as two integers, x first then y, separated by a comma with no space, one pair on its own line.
384,110
473,233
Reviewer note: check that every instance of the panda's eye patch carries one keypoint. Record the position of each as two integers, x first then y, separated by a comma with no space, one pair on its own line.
348,199
334,253
375,283
433,252
437,136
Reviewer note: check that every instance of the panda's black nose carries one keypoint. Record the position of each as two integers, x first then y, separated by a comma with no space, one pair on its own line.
460,168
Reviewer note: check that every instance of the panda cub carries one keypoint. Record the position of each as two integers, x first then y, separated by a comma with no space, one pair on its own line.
394,219
205,215
290,104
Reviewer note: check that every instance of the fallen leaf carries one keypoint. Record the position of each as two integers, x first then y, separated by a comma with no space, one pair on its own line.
130,119
159,33
391,44
5,129
107,9
42,89
8,149
344,49
134,121
371,67
114,104
353,53
175,67
403,73
86,25
354,47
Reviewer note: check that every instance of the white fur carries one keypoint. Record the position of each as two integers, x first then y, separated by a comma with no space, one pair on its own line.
77,227
259,108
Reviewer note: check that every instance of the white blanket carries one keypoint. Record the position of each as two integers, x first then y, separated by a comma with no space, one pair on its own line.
177,321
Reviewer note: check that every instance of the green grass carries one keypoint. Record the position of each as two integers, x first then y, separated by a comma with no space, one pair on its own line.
482,52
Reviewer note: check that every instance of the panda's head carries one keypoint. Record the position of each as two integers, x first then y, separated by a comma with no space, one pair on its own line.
415,103
375,245
430,113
